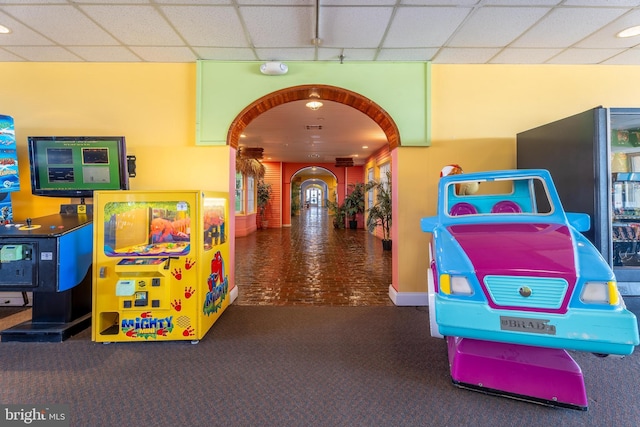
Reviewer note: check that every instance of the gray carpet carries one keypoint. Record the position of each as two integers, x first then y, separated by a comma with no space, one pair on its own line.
292,366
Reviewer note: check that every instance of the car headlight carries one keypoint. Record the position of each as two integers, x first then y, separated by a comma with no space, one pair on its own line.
455,285
600,293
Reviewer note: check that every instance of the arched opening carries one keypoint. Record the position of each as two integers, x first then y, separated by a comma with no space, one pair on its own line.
317,186
325,92
289,174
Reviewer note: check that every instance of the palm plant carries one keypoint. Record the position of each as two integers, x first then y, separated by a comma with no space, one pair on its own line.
263,196
379,214
339,213
354,202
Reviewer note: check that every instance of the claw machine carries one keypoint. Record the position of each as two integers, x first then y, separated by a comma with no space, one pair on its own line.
594,159
159,264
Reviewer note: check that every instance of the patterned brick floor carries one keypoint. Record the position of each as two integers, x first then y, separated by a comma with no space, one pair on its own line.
311,263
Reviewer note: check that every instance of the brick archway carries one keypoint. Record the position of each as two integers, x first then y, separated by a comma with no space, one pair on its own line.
325,92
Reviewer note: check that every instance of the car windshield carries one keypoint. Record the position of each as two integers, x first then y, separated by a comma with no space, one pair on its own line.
511,196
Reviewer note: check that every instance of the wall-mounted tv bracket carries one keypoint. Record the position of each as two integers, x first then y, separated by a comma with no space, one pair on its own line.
131,166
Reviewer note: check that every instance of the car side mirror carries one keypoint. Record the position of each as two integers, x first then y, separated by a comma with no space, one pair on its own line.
579,221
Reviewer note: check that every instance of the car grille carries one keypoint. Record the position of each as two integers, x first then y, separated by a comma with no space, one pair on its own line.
544,292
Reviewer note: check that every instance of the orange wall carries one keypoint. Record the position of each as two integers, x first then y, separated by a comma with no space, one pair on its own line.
273,212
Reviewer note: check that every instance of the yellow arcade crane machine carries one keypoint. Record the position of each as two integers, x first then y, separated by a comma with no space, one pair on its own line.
158,264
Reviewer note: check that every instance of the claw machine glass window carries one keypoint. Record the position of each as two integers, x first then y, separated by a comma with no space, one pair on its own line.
147,229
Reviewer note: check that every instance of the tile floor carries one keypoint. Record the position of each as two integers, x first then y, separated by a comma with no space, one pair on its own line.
312,263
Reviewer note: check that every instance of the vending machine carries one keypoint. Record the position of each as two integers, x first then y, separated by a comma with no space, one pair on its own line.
159,264
594,159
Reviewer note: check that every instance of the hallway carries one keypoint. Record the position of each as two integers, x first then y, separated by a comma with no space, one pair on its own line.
312,263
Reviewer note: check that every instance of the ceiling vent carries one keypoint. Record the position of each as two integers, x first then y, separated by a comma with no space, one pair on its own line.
313,127
344,162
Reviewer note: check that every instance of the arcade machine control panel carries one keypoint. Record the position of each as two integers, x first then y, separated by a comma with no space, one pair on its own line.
51,257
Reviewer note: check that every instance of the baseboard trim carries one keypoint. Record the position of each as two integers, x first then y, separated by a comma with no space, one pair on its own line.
233,294
408,298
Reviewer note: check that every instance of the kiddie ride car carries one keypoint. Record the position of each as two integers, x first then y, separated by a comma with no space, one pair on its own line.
513,284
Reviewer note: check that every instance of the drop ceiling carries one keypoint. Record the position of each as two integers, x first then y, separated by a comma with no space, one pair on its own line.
441,31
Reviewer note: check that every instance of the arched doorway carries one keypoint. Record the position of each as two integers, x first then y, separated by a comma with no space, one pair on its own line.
324,92
317,185
301,93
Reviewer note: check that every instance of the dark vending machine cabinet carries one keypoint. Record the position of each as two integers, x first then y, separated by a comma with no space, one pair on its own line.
50,256
594,160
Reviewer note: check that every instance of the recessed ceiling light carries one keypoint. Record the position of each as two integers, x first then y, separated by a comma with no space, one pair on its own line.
4,30
629,32
365,147
314,105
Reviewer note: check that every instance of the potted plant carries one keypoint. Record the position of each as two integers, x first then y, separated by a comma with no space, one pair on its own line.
380,213
339,213
295,198
354,203
264,195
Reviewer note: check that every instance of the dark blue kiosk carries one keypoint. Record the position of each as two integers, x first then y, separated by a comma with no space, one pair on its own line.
51,256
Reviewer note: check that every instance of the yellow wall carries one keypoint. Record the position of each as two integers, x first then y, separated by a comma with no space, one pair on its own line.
152,105
477,110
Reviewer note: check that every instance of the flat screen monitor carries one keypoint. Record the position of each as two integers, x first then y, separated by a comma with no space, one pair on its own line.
76,166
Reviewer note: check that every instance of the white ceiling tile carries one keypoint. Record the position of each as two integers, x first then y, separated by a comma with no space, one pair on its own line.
20,34
225,54
459,55
113,2
352,27
104,53
34,1
628,57
164,54
583,56
566,26
606,37
524,56
286,54
509,22
328,54
135,25
233,29
406,54
44,53
603,3
191,2
277,2
6,56
440,2
522,2
62,24
279,26
424,27
358,3
215,26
